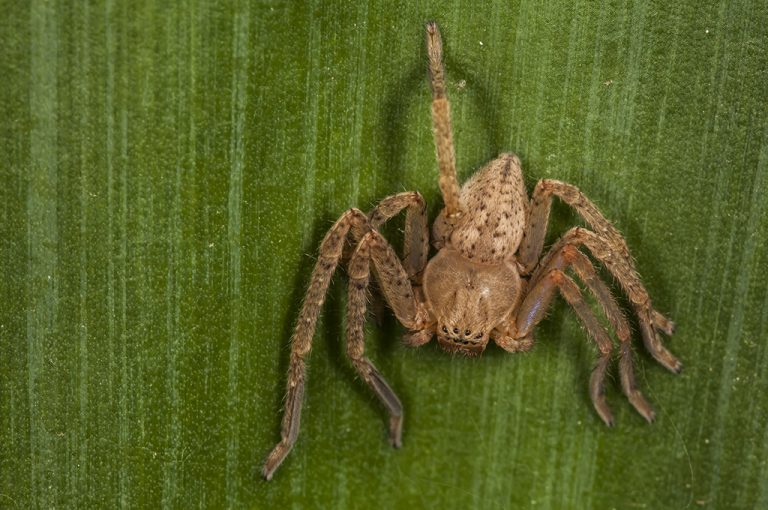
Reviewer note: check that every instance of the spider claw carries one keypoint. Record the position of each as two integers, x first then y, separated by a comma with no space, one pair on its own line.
604,411
652,342
396,431
661,323
642,406
275,458
671,363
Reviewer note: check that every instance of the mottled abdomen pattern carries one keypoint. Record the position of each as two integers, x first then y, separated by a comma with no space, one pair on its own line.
494,212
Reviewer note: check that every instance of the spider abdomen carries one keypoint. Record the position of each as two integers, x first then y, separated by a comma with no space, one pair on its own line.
494,211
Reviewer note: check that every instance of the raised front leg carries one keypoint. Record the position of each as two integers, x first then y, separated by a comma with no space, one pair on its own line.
441,123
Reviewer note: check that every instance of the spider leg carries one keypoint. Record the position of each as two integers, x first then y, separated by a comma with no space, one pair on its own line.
533,310
416,243
398,292
541,203
441,123
568,256
415,246
651,322
662,323
607,244
331,250
355,224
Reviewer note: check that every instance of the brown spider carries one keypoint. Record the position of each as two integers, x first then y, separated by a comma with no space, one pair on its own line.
487,281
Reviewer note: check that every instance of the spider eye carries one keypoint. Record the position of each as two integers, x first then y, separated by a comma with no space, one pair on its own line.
467,332
456,330
445,330
479,335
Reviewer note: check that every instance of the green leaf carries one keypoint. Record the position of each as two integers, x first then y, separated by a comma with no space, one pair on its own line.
169,170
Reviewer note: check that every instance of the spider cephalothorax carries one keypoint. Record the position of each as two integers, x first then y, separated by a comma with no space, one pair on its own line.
488,280
468,299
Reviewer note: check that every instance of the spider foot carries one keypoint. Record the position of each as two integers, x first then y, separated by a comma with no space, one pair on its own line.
597,390
601,406
275,458
396,431
642,406
661,323
651,322
668,360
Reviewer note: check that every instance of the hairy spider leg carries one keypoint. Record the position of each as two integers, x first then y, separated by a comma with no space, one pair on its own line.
569,257
393,279
534,309
331,250
355,223
624,272
441,124
607,245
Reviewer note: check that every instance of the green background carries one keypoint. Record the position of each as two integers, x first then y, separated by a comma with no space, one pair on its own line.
168,170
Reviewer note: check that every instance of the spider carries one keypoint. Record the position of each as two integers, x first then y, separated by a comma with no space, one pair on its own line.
487,281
